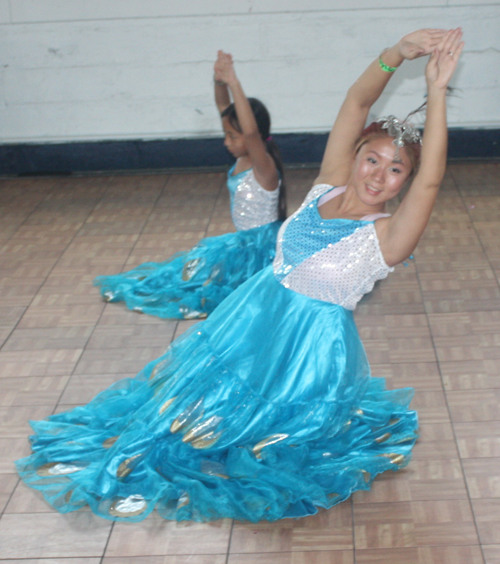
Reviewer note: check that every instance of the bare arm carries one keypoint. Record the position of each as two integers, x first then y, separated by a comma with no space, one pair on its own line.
400,234
338,157
222,98
262,163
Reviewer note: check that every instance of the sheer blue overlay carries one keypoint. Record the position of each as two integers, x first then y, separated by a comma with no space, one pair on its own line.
192,284
264,411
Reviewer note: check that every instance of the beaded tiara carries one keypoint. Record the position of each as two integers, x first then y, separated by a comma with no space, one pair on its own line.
402,131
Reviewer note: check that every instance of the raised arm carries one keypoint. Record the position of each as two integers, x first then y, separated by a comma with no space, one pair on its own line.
400,234
221,92
262,163
351,119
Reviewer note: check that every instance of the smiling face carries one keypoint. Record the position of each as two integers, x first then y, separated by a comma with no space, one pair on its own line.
377,174
233,139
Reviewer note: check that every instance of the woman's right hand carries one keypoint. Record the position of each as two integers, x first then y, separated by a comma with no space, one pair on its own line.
444,59
419,43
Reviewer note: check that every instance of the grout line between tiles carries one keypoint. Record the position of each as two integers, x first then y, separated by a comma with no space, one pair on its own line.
228,554
107,542
353,521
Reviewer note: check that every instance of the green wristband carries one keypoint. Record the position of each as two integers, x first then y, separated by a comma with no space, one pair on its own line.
384,67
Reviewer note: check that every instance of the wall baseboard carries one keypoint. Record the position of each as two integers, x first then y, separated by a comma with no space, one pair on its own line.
297,148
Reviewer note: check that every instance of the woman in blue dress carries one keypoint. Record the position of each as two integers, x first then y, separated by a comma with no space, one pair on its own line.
267,410
191,284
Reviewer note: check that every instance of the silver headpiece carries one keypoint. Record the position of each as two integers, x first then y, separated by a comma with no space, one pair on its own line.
402,131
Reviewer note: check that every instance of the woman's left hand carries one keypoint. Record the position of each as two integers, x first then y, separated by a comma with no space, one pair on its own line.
444,59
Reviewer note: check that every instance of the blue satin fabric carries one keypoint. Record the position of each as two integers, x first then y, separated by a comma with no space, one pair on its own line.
192,284
264,411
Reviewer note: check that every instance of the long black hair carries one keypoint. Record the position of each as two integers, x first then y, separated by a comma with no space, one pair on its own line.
263,120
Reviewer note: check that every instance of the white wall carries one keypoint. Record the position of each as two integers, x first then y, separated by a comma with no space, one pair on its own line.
128,69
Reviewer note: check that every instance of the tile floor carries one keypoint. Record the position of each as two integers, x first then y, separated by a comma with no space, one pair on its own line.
434,325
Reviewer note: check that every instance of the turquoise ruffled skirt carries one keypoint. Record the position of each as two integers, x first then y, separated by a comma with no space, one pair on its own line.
190,285
264,411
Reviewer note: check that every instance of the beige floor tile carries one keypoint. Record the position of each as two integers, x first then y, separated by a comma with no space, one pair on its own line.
10,315
53,561
483,477
38,362
377,351
492,553
49,338
61,316
487,514
406,326
417,375
156,537
35,390
175,559
474,405
14,420
116,361
139,256
12,449
419,481
486,208
420,523
118,314
82,388
4,334
159,242
50,535
470,374
38,269
423,555
416,349
131,336
18,292
471,347
431,407
26,500
436,442
326,531
8,484
103,228
324,557
478,439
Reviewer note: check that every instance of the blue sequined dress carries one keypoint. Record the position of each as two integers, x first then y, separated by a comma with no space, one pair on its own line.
264,411
192,284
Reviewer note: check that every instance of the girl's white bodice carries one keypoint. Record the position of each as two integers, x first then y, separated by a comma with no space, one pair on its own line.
251,205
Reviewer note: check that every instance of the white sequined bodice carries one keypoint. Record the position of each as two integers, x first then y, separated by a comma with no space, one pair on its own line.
332,260
252,205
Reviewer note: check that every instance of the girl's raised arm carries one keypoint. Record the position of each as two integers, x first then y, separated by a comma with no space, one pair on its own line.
339,152
221,93
263,165
399,234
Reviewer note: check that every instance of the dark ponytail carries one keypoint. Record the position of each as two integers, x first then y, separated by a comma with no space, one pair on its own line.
263,120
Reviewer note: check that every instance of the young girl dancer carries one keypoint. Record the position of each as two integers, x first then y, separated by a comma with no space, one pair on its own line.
267,409
190,285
